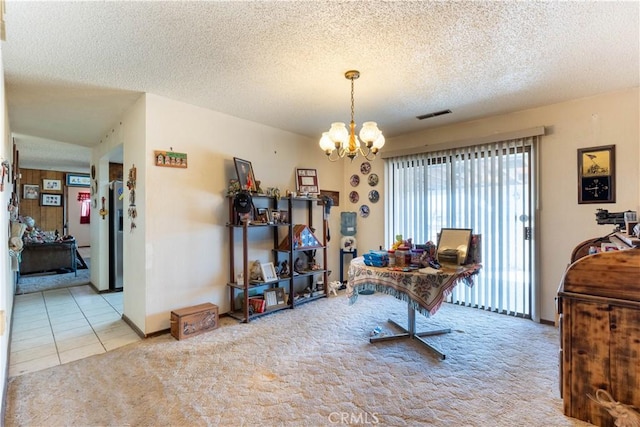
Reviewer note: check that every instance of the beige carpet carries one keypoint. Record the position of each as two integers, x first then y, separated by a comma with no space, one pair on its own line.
312,366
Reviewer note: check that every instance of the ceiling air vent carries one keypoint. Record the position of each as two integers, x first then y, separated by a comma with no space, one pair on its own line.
434,114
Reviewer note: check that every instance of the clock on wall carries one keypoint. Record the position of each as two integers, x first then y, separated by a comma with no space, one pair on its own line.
596,175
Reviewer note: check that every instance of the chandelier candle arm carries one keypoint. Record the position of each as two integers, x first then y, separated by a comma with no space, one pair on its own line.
345,143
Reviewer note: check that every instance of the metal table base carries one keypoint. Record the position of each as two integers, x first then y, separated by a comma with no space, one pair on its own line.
410,332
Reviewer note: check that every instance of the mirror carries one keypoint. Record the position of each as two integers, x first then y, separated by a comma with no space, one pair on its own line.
453,245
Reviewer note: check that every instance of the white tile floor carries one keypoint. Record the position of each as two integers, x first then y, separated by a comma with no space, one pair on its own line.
59,326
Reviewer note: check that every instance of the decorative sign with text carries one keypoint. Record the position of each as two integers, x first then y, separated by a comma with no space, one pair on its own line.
170,159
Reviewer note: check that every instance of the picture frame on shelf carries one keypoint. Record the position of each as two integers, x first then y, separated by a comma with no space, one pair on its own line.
274,215
307,181
30,192
284,217
77,180
246,178
596,175
50,199
268,272
51,185
275,297
262,215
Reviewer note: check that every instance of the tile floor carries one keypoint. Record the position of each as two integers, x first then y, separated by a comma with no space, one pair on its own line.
59,326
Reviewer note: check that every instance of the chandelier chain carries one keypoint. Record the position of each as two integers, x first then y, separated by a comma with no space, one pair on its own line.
352,101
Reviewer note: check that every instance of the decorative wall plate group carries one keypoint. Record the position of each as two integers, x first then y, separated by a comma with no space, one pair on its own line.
372,180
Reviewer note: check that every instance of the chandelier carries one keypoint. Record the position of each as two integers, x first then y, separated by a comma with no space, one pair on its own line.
343,142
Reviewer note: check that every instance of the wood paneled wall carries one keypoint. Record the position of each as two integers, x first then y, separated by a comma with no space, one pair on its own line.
48,218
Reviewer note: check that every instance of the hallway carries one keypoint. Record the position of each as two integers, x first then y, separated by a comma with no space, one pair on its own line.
55,327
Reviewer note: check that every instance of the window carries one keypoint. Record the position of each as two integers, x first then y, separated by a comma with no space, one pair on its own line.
487,188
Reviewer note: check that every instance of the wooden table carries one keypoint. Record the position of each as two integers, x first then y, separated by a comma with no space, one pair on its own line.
424,292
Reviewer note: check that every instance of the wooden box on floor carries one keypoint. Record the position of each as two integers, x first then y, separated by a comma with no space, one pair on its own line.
191,321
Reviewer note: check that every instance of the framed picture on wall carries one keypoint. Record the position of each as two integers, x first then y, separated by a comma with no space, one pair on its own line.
51,185
50,199
75,180
596,175
30,192
307,181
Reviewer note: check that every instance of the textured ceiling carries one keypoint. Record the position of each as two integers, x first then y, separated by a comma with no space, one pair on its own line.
72,68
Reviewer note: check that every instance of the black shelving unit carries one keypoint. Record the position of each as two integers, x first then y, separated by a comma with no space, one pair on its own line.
244,235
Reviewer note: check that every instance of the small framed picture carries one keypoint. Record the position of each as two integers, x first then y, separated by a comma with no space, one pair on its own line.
307,181
284,217
74,180
275,216
50,199
262,215
275,297
245,174
51,185
333,195
268,272
31,192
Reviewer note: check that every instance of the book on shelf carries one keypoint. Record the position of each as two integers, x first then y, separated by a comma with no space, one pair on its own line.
258,304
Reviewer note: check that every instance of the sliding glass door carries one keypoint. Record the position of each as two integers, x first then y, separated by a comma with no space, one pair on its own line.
488,188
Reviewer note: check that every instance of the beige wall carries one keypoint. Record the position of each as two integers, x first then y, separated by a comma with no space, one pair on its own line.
611,118
177,255
8,277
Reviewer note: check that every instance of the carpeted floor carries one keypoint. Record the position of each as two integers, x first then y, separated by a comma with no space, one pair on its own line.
312,366
47,281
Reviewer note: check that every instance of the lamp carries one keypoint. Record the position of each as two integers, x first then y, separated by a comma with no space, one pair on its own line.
345,142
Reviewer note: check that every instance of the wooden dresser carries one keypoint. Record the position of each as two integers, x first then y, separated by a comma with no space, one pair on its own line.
599,317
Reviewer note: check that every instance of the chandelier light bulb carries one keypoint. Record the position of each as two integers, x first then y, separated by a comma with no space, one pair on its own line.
379,142
326,144
369,133
339,133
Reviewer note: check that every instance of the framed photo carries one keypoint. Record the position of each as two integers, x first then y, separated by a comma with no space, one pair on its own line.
262,215
246,178
333,195
268,272
275,216
30,192
74,180
596,174
307,181
284,217
51,185
50,199
275,297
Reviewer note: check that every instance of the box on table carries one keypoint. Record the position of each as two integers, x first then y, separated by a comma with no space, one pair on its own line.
191,321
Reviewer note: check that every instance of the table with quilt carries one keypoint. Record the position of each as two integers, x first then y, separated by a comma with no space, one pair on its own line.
424,290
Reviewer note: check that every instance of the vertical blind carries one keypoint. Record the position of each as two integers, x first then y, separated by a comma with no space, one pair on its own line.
488,188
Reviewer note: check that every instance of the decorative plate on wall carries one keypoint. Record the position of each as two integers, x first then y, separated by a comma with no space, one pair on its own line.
373,179
365,168
374,196
355,180
354,197
364,211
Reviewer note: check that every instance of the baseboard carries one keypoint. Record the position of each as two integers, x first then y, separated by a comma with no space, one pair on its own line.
134,327
547,322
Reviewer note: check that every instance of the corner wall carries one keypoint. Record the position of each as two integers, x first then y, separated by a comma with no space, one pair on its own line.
178,254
